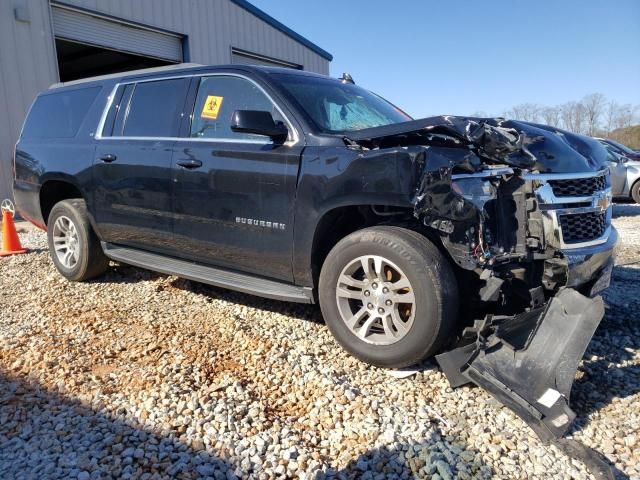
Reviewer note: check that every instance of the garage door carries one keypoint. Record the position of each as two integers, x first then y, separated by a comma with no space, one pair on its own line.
94,29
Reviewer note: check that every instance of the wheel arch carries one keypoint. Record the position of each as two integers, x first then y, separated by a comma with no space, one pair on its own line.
337,222
54,189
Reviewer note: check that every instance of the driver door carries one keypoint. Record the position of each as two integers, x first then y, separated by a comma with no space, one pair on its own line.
234,192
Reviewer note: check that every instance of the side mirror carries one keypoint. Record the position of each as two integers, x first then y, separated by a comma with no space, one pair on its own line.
259,123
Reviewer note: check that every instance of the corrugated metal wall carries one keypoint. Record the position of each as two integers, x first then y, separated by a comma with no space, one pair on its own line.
213,26
28,61
27,65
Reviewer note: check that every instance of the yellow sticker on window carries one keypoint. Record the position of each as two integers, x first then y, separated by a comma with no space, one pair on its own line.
211,107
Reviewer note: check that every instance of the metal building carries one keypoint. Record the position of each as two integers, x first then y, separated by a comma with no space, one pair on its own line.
43,42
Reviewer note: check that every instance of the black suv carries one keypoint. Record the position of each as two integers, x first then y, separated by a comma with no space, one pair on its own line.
488,235
305,188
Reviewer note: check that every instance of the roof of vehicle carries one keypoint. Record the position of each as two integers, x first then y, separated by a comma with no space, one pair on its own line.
618,146
179,69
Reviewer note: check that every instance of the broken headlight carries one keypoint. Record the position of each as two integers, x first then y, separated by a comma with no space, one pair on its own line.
479,187
477,190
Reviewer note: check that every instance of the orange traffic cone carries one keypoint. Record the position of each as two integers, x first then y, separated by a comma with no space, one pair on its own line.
10,241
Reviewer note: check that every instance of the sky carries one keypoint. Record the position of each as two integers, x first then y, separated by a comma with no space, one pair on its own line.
468,56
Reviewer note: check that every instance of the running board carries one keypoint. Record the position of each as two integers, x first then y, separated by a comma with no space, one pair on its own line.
209,275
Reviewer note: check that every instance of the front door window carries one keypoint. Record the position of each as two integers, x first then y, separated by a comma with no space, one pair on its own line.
218,97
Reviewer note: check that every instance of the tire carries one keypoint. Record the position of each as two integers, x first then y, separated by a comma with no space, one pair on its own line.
635,191
79,256
409,332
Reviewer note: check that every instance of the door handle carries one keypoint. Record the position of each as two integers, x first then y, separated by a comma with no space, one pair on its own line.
108,158
189,164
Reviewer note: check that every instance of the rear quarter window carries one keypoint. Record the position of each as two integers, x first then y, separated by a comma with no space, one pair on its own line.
59,115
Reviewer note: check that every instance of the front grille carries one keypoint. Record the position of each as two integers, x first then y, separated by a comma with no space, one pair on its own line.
582,227
578,187
575,208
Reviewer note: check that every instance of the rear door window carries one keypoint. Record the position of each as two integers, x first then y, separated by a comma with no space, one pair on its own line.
218,97
59,115
154,109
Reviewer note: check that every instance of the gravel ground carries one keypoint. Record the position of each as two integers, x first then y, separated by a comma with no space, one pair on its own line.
139,375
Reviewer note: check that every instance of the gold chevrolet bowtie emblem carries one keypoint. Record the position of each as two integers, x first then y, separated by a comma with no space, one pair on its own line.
603,202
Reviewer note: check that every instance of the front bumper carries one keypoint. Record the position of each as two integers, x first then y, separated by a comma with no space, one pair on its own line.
589,268
528,362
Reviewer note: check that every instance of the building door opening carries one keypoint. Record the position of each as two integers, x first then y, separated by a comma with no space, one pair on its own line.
78,60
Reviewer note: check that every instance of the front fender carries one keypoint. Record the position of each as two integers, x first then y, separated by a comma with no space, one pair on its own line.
337,177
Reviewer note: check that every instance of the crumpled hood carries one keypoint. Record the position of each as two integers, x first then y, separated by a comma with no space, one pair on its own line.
562,151
520,144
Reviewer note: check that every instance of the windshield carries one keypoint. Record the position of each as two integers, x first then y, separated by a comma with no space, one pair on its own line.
622,147
336,107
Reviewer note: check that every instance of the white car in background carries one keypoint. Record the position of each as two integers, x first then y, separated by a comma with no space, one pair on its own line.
625,173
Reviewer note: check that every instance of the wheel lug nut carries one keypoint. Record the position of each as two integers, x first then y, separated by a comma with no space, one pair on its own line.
381,310
367,293
370,306
388,303
385,290
374,285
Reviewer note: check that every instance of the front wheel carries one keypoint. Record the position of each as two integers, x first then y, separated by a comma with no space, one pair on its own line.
388,296
635,191
73,245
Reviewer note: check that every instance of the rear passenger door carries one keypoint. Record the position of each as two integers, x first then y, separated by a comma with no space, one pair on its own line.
132,168
234,192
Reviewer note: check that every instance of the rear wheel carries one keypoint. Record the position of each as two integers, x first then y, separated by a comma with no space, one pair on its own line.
635,191
73,245
388,296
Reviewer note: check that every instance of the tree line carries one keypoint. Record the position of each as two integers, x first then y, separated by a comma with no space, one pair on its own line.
593,115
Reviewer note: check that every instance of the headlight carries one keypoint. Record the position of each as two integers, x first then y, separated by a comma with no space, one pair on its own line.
478,187
476,190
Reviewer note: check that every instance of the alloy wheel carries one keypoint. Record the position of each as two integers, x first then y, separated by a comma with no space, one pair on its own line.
66,242
375,300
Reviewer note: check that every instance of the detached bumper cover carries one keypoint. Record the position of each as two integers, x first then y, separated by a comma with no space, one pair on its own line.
528,362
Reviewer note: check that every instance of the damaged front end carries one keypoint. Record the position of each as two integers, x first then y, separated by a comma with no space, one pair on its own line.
525,207
524,211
